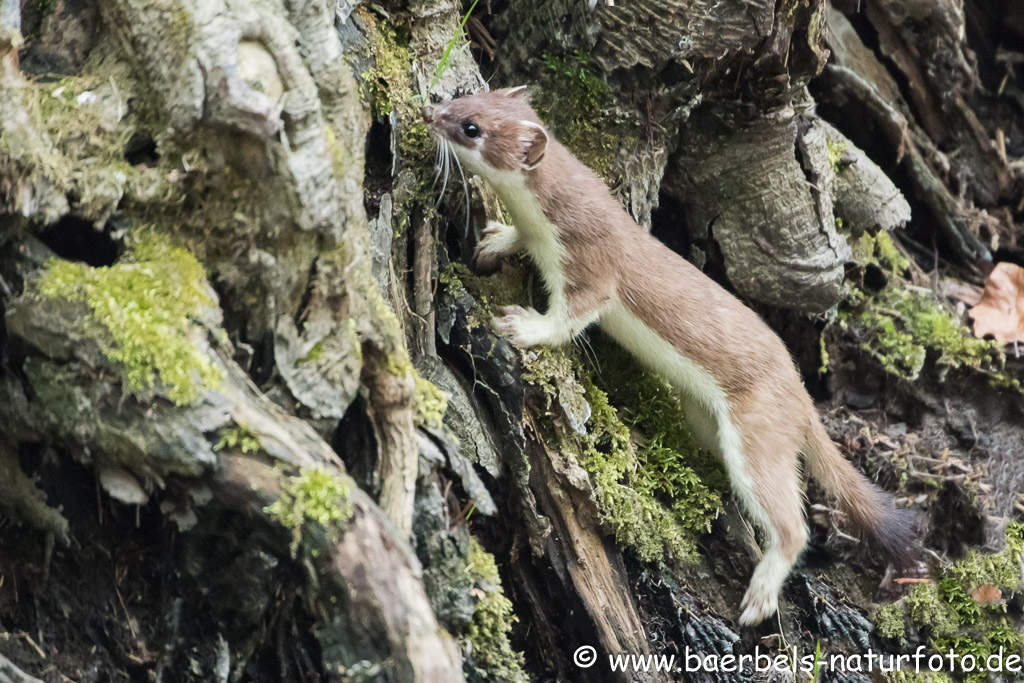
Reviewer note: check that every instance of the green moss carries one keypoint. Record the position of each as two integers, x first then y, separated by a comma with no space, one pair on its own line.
89,122
509,286
902,327
928,610
836,150
314,496
146,304
490,656
391,64
954,594
896,350
391,87
431,402
879,250
624,491
999,569
949,617
239,438
573,101
656,491
314,354
888,254
889,622
682,475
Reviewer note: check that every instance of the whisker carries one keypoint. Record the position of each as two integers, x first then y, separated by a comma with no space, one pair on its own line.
437,165
465,191
446,166
582,341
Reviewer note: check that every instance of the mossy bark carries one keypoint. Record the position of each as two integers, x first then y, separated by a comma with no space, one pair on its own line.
249,380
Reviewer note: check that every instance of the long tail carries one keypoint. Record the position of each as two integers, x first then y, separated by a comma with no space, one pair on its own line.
885,528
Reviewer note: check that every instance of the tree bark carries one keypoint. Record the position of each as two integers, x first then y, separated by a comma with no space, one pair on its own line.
257,424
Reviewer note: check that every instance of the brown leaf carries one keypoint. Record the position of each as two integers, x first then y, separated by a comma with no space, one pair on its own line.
1000,312
987,593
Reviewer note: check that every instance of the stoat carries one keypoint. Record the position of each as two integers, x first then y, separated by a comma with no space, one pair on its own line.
740,390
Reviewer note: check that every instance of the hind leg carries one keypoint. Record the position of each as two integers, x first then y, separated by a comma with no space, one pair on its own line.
768,483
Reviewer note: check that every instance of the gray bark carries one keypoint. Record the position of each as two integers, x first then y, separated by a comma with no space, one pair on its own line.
286,154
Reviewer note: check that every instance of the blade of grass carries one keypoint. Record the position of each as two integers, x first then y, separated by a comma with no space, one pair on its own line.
442,66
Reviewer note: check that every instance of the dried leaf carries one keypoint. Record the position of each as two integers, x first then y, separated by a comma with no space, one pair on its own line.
987,593
1000,312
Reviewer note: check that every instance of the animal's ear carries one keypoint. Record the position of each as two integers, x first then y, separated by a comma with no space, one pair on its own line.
535,143
518,91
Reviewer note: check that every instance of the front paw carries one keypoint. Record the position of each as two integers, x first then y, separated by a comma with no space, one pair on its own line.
498,242
516,324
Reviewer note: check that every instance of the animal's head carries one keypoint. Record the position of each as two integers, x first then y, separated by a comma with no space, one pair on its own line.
492,131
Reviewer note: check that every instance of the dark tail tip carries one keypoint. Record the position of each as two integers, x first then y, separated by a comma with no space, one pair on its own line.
895,536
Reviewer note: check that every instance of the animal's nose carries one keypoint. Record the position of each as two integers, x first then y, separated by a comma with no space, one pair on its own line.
428,113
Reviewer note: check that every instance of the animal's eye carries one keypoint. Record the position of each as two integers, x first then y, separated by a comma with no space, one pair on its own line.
471,130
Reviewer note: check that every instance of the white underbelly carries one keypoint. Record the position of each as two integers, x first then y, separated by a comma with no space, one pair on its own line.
686,375
704,400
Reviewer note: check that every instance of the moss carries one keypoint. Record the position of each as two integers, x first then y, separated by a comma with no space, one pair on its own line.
314,354
889,622
879,250
239,438
902,327
55,388
625,493
888,254
823,352
553,370
683,476
836,150
490,656
89,121
314,496
509,286
391,87
950,618
146,304
929,611
28,159
897,351
1000,569
656,492
392,60
431,402
573,101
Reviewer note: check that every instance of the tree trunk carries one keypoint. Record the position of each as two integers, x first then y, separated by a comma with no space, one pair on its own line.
259,423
